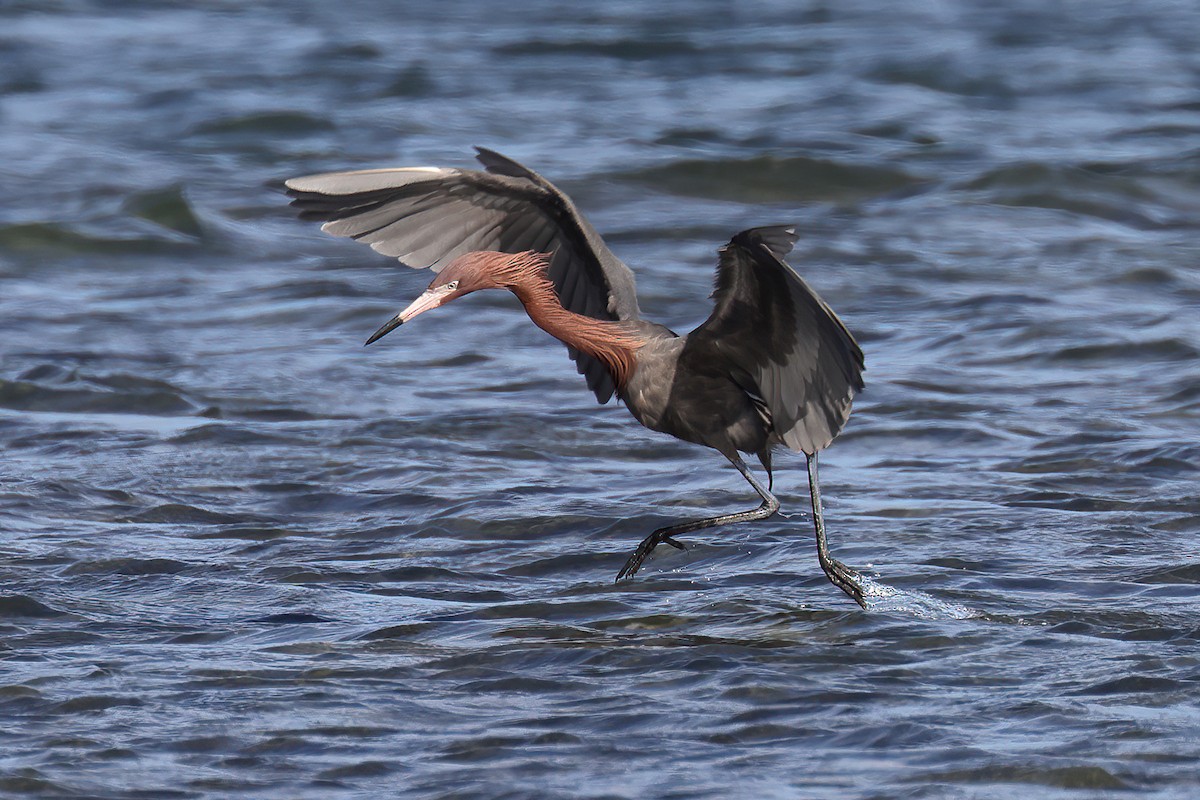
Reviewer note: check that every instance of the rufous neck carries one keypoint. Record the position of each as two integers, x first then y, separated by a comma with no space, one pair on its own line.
612,343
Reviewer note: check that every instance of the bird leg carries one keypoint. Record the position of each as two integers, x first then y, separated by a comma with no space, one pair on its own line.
664,535
838,573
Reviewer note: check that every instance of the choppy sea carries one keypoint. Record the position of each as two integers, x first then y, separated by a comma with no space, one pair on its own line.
241,556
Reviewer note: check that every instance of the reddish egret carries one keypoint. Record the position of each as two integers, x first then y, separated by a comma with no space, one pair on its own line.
772,366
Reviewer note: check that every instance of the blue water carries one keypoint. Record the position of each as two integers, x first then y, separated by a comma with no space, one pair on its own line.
241,556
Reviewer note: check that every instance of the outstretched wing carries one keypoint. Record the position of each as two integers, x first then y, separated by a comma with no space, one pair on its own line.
780,340
428,216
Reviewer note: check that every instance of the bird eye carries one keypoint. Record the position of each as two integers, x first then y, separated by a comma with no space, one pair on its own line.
452,285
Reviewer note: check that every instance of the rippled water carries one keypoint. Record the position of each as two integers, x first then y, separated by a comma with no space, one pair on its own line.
242,556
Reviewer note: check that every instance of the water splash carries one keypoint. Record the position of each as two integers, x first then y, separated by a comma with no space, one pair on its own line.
882,597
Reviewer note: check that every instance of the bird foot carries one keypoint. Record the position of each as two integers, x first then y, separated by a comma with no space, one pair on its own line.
846,579
644,549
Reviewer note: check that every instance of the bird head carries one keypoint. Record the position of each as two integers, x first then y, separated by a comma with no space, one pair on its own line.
468,273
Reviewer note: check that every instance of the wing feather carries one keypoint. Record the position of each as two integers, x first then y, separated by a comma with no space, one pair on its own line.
776,334
428,216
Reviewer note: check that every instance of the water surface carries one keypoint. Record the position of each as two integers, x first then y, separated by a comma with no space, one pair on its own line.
241,556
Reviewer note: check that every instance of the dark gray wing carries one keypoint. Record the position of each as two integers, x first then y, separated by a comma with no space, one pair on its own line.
780,340
428,216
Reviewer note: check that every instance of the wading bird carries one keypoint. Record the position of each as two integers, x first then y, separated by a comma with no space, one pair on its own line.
772,366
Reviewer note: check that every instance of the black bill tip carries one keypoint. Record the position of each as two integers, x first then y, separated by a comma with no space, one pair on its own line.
385,329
